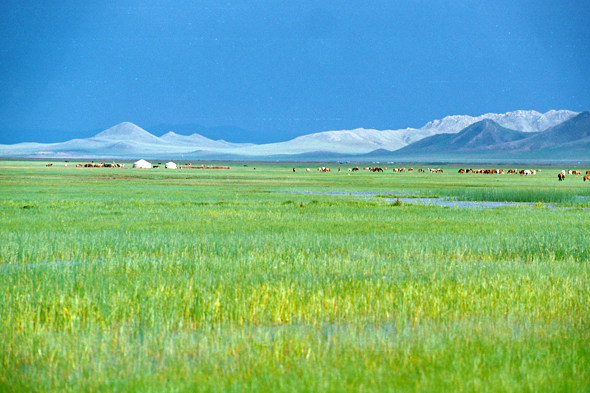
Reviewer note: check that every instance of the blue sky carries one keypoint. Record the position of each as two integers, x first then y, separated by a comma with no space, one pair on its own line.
284,68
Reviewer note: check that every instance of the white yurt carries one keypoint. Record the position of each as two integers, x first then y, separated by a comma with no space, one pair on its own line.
171,165
142,164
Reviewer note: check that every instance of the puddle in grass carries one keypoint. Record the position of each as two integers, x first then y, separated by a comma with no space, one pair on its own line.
438,201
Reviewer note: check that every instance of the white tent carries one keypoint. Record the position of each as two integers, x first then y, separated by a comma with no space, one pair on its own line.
142,164
171,165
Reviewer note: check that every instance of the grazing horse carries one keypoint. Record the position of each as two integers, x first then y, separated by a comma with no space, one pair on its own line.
587,177
560,176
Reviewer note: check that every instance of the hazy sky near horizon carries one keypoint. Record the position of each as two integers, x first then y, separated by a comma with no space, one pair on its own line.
284,68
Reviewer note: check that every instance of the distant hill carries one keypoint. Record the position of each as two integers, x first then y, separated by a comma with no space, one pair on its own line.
127,132
488,141
226,133
483,135
571,134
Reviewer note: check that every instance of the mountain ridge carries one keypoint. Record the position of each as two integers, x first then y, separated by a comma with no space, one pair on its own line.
127,140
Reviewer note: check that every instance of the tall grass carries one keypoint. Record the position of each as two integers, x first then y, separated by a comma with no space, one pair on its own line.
533,195
206,281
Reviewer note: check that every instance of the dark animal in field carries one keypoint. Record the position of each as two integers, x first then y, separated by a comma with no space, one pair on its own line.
461,170
88,165
293,169
576,173
587,177
588,172
420,170
49,164
156,166
560,176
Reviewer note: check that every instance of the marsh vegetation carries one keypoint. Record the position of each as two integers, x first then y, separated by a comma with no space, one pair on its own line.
187,280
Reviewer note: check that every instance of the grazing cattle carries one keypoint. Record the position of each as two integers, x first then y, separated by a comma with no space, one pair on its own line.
156,166
461,170
587,177
588,172
560,176
563,172
338,169
410,169
293,169
78,165
355,169
308,170
49,164
576,173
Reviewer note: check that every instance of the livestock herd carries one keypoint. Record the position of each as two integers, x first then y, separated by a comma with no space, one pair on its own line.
373,169
525,172
101,165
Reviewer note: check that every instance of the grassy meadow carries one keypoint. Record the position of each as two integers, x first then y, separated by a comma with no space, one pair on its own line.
124,280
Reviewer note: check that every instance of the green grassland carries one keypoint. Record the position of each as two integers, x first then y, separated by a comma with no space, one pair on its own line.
225,280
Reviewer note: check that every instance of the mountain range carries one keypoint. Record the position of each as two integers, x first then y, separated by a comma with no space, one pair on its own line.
557,134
